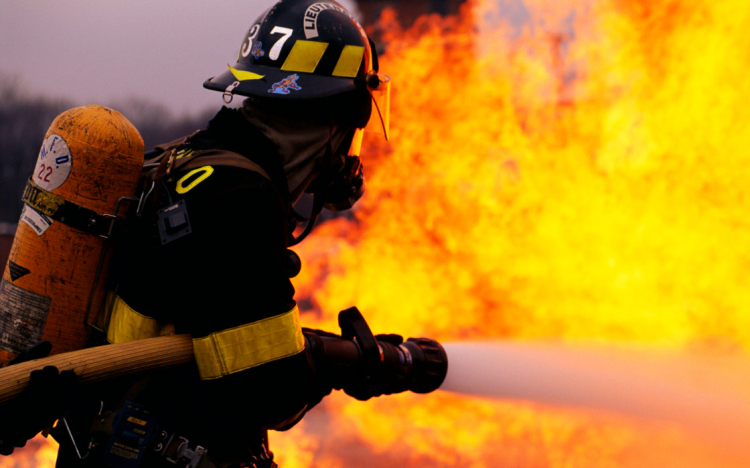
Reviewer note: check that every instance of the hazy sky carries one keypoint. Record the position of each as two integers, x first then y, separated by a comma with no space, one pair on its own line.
102,51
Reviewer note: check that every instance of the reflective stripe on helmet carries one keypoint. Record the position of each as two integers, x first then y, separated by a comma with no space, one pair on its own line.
349,61
304,56
236,349
320,39
125,324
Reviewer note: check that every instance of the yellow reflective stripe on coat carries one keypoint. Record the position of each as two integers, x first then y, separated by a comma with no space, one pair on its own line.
125,324
236,349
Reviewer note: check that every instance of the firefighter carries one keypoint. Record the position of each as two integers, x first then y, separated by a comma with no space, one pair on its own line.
210,255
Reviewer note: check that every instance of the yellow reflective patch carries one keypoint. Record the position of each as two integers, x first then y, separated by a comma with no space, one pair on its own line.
206,171
236,349
349,61
41,200
183,154
125,324
243,75
304,56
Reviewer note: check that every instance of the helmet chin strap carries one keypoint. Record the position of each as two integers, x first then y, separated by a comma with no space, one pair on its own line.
319,200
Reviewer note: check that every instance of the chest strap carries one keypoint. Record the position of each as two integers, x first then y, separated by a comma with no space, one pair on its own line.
69,213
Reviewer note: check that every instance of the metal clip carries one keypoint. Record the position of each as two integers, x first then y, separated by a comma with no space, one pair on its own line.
144,195
170,163
183,453
228,96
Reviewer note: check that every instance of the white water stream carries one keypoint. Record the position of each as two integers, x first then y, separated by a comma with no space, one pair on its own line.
708,394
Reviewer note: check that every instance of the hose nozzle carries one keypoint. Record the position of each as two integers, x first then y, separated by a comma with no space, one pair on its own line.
364,365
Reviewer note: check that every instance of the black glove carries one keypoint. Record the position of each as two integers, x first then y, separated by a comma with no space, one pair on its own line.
391,338
43,401
377,381
336,368
321,385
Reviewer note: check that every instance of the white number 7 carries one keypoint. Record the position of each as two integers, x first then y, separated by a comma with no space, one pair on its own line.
276,49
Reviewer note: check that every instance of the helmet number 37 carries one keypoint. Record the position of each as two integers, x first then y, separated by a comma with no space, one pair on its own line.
307,49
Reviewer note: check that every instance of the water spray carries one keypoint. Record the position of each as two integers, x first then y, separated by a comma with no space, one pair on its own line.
708,395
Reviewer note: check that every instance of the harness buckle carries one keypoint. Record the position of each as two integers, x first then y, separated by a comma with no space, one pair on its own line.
184,454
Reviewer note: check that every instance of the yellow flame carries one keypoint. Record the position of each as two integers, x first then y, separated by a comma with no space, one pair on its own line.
38,453
582,176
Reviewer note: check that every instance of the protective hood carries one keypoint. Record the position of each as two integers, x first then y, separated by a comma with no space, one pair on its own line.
306,142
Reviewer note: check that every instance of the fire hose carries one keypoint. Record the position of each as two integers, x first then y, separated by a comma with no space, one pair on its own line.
417,364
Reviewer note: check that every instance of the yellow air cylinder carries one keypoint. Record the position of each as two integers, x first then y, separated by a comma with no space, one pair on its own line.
90,158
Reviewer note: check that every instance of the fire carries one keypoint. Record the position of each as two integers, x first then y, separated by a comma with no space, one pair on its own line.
577,173
38,452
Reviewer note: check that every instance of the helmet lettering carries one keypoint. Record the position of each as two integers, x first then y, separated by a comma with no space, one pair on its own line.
310,20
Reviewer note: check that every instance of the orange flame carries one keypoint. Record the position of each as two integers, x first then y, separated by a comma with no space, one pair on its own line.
576,173
38,453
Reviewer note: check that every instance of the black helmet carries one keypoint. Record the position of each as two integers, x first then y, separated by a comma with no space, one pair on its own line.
300,49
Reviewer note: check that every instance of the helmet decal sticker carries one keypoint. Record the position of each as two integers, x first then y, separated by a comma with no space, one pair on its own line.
283,86
258,50
311,17
53,163
245,50
311,37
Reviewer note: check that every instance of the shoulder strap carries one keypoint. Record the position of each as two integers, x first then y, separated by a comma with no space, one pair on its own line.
217,158
170,160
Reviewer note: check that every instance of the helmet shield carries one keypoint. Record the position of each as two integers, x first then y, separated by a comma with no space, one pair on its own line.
299,50
379,87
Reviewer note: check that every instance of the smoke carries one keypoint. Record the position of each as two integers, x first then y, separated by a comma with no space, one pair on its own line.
707,394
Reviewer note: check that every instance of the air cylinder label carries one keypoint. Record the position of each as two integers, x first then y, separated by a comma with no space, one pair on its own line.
53,164
36,220
22,317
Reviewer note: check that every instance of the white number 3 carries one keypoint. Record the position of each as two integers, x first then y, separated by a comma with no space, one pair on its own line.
276,49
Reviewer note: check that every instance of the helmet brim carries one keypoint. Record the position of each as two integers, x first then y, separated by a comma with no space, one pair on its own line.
310,86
